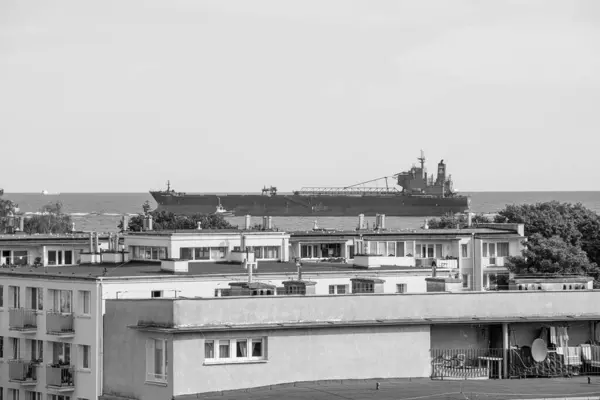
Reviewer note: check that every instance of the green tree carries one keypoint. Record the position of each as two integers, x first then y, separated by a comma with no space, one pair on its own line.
165,220
50,220
572,230
453,221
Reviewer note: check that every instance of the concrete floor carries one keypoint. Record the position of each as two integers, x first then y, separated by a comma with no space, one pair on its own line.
423,388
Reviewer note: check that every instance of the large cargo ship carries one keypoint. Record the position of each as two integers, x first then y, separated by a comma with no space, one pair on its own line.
418,195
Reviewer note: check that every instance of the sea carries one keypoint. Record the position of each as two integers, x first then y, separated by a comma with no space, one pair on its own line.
102,212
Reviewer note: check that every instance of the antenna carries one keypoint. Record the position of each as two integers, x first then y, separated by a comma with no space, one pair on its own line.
168,186
422,160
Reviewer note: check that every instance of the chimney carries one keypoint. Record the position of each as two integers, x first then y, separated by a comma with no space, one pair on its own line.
269,223
469,219
264,223
145,223
116,246
361,221
426,224
315,226
299,266
125,222
96,243
242,242
110,242
199,226
149,222
22,223
248,222
381,221
91,242
73,227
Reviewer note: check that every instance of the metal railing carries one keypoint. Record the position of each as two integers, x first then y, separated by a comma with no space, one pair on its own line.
489,363
60,376
22,371
467,363
22,319
58,323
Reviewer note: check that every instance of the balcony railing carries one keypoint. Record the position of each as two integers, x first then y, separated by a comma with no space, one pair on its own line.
60,376
492,261
22,371
447,264
58,323
21,319
467,363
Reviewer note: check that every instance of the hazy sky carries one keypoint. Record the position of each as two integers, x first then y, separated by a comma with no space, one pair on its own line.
121,95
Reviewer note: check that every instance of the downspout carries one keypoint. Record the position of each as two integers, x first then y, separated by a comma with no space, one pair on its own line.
473,258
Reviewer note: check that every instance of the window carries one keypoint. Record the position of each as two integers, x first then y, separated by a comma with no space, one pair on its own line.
338,289
431,250
234,350
1,347
466,281
1,298
363,287
399,249
295,289
68,257
15,348
464,250
14,297
60,257
156,360
84,302
60,300
61,353
13,394
84,356
35,298
58,397
29,395
209,349
401,288
36,349
156,293
309,251
148,252
20,257
502,249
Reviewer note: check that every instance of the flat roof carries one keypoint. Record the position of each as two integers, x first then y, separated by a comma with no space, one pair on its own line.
419,231
145,269
414,388
21,236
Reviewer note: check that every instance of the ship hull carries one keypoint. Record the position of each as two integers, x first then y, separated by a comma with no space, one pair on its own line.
282,205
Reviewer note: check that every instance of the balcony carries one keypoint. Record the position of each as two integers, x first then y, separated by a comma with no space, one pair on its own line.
447,263
60,377
59,324
461,364
23,372
493,262
23,320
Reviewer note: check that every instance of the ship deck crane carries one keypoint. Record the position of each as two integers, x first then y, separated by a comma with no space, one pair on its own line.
373,180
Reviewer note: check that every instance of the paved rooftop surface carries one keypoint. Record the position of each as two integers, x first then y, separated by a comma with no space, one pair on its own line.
423,388
141,269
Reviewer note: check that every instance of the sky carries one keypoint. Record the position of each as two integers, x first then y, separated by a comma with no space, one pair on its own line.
233,95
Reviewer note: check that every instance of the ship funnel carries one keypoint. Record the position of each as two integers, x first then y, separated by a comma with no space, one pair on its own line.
248,220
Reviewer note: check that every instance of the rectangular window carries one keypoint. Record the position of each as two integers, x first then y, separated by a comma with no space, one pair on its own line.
36,347
401,288
20,257
52,396
61,300
15,345
209,349
14,297
13,394
331,289
466,281
399,249
30,395
156,360
201,253
257,348
35,298
223,348
61,353
372,247
84,356
502,249
430,251
186,253
68,257
156,293
464,250
438,251
1,347
241,348
52,258
341,289
1,297
84,302
391,249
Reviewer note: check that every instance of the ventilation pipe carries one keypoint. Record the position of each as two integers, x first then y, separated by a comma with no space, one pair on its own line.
91,242
149,222
96,243
110,241
469,219
72,226
264,222
426,224
22,223
248,221
125,222
381,221
361,221
199,226
315,226
269,223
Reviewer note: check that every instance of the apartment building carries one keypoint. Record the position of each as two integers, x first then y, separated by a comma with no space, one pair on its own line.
229,343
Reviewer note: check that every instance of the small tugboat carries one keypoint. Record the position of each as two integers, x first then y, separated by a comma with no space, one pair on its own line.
222,210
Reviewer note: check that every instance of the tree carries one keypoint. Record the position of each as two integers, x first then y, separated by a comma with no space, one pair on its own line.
551,256
453,221
564,237
165,220
50,220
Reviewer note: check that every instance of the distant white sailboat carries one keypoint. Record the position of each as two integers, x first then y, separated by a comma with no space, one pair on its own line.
44,192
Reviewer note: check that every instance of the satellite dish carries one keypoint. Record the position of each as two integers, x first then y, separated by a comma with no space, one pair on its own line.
539,350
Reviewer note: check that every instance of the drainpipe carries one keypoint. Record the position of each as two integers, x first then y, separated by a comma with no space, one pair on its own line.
473,257
505,349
